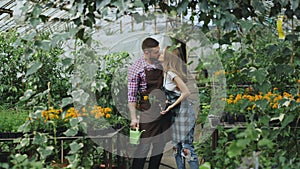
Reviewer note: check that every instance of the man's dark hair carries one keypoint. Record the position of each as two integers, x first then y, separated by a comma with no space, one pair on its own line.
149,43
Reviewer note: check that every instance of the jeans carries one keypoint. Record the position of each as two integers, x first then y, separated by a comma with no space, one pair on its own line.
141,155
191,157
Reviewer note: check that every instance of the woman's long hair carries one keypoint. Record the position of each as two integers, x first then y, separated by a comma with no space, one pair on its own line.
174,63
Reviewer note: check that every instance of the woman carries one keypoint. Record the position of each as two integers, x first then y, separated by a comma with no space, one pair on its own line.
177,93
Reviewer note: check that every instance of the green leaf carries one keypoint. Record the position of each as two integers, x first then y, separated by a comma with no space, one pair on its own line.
265,87
286,51
259,6
138,3
246,25
203,5
83,125
88,23
20,157
45,152
283,2
34,21
59,37
90,69
75,147
265,142
67,62
284,103
37,10
259,75
119,4
23,143
34,68
25,128
71,131
44,18
39,139
294,105
262,104
28,93
182,6
101,3
74,122
44,44
80,96
295,4
30,36
288,119
234,150
206,165
139,18
80,34
243,142
280,117
66,101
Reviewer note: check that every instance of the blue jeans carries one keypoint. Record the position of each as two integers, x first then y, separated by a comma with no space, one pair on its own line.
191,157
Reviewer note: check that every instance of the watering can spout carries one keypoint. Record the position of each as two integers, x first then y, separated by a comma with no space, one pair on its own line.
140,133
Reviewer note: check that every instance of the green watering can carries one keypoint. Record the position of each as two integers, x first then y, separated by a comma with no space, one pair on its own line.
135,136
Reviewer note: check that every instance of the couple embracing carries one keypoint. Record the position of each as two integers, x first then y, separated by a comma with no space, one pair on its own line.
167,117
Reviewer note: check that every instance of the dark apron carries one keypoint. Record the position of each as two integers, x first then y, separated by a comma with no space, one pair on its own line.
151,120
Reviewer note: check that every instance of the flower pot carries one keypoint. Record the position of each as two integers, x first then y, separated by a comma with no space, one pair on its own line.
240,118
230,118
11,134
295,123
4,157
213,120
63,164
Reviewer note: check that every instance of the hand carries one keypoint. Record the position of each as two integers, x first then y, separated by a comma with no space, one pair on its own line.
134,124
185,151
166,111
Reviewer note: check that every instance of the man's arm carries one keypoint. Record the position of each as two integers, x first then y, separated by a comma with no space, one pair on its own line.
134,120
133,84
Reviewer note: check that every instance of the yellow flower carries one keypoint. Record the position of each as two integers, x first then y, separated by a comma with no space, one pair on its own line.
97,116
51,116
257,97
107,116
286,94
251,98
275,106
219,72
145,97
229,101
107,109
237,98
44,113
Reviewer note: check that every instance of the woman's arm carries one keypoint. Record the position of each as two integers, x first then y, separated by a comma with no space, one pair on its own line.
185,92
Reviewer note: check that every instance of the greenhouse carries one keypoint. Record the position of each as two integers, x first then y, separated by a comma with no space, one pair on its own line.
133,84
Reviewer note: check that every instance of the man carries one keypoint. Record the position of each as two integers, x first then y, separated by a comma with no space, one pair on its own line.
145,78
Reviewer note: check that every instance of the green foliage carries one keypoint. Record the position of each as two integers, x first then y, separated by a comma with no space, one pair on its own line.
262,62
11,87
29,75
11,119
